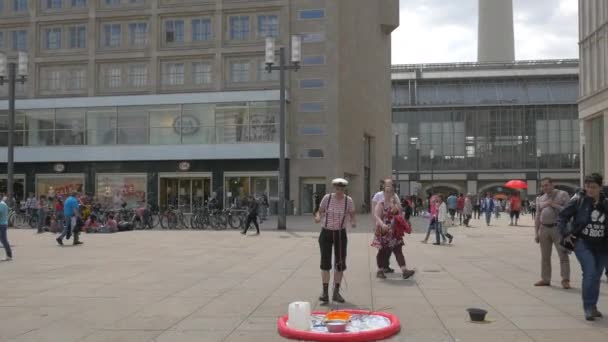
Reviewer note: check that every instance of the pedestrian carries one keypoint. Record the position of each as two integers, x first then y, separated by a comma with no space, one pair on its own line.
533,209
515,208
336,211
549,205
379,197
433,208
4,210
71,214
589,214
252,216
441,230
460,208
497,208
477,207
487,207
452,207
42,207
31,205
388,237
467,210
406,204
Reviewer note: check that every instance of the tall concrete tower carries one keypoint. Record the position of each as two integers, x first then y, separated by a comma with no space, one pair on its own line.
495,31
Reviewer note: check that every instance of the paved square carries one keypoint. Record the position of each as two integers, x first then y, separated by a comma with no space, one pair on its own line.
220,286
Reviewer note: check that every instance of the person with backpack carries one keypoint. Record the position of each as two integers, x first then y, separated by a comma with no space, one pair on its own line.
390,228
587,236
252,215
336,211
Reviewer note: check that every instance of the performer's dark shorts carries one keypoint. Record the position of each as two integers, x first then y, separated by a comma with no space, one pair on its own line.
339,241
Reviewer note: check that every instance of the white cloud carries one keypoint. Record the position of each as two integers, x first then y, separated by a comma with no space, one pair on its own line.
437,31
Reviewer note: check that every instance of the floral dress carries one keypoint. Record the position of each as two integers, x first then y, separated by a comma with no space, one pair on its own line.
387,239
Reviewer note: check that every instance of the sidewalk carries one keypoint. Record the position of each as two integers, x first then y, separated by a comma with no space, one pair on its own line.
220,286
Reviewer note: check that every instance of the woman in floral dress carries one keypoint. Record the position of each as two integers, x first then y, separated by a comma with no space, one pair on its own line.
388,237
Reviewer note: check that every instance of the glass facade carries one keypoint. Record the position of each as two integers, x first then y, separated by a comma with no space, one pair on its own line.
237,188
232,123
486,92
488,138
112,190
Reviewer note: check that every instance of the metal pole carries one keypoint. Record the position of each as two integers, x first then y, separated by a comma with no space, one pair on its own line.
432,177
537,175
12,79
397,187
282,220
418,163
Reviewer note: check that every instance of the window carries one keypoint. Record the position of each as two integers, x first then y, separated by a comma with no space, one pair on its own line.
202,73
112,2
52,80
311,14
20,40
133,2
52,38
312,153
307,129
312,83
264,75
138,75
78,37
1,8
113,77
239,71
1,38
76,79
174,31
79,3
138,34
239,28
111,35
53,4
201,30
311,107
268,26
313,60
19,5
313,37
174,74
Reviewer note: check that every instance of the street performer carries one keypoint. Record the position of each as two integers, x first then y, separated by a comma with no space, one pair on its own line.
336,211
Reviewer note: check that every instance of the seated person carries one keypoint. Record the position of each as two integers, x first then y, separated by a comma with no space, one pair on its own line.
91,225
110,227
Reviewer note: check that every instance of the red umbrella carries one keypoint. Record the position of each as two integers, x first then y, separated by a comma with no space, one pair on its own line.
516,184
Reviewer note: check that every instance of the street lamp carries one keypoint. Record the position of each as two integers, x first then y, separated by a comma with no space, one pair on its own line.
432,171
11,73
538,155
282,67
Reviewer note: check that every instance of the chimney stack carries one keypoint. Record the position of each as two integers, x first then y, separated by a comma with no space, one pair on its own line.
496,41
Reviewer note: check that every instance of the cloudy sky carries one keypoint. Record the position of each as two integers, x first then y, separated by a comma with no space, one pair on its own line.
438,31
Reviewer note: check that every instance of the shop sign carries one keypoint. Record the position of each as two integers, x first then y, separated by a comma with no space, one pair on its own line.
59,167
184,166
186,125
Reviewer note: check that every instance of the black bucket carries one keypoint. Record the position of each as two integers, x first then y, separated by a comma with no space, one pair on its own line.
477,315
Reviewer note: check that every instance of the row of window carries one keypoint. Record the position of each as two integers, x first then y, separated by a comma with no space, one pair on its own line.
174,74
594,59
21,6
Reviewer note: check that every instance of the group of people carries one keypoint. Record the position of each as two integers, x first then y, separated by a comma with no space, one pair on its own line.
574,224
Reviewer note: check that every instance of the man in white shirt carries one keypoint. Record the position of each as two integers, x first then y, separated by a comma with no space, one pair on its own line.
442,216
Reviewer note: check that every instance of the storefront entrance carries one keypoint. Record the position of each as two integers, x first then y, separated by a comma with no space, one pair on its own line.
312,191
18,187
185,191
238,186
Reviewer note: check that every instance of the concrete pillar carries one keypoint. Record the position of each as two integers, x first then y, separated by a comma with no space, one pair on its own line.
496,42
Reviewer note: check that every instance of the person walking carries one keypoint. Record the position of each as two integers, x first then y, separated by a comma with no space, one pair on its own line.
252,216
514,208
4,210
42,208
487,207
452,207
477,207
467,210
336,211
589,214
460,208
379,197
388,238
31,205
549,205
71,214
433,208
533,209
441,230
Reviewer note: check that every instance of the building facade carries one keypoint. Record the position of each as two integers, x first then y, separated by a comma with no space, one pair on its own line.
170,101
470,127
593,102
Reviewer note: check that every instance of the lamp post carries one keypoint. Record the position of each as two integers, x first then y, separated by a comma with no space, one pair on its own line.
418,159
11,73
397,187
282,67
538,155
432,171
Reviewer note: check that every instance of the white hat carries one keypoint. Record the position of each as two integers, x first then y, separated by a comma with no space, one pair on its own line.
339,181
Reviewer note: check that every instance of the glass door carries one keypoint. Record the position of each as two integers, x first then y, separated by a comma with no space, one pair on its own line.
312,192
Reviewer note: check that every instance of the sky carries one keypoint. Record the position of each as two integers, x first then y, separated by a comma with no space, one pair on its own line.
440,31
